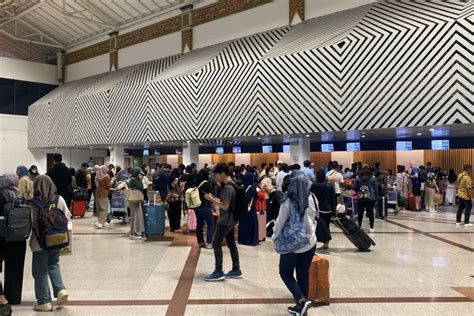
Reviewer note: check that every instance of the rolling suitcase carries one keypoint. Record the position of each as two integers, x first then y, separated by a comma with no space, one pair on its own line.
117,204
262,225
356,235
79,208
381,208
154,218
319,281
412,202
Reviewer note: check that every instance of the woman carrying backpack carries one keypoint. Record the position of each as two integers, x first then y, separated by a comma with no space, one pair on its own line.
12,253
46,262
295,240
366,188
204,212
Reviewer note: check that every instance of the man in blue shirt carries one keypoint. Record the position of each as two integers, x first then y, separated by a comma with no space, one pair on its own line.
309,174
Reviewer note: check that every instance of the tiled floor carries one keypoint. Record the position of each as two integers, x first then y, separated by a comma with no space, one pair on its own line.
418,261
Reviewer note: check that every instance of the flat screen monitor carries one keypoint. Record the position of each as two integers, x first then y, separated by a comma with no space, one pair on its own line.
327,148
237,149
353,146
267,149
286,149
219,150
404,145
440,144
146,152
179,151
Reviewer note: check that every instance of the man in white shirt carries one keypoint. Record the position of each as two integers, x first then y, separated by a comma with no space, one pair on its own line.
333,176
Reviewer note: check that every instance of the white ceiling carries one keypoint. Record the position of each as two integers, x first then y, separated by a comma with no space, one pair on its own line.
33,29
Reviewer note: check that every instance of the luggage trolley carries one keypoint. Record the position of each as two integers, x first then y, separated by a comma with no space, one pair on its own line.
118,206
392,200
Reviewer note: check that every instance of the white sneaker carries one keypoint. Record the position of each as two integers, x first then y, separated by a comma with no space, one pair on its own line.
62,297
467,225
106,225
136,237
458,224
371,230
99,225
43,307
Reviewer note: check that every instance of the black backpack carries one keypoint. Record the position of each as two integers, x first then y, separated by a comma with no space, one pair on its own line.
16,224
241,203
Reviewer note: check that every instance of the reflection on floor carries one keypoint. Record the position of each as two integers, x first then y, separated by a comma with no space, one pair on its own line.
422,265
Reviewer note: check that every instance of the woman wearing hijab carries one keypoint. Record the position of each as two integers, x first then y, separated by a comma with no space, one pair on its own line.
137,224
13,253
46,263
248,224
103,185
25,185
204,212
174,201
298,201
33,172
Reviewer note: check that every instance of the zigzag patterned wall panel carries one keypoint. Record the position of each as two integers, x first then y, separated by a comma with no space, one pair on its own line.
38,125
388,64
130,114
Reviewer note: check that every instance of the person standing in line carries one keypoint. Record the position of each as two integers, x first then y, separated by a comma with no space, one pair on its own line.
451,188
103,184
326,195
175,201
308,173
12,253
161,181
263,169
225,225
334,177
430,189
204,212
366,187
416,188
300,201
61,177
465,196
33,172
25,185
81,177
401,186
137,224
94,187
284,171
46,263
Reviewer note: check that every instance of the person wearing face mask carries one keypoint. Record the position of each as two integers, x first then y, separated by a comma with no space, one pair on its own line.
33,172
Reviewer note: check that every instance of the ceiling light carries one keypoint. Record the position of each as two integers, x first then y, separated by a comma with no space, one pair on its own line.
363,136
161,143
307,135
200,144
432,129
419,134
259,137
188,141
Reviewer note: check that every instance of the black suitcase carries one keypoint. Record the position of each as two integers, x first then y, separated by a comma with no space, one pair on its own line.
381,208
356,235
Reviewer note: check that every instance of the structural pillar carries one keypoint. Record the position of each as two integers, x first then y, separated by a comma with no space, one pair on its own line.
300,150
117,155
60,66
113,51
187,28
190,153
296,11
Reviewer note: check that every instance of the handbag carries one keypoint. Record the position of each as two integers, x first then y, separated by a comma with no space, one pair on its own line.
134,196
438,198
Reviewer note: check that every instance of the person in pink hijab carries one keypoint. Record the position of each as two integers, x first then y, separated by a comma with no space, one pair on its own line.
103,185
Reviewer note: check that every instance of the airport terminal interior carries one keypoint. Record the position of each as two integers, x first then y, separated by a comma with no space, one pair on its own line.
155,156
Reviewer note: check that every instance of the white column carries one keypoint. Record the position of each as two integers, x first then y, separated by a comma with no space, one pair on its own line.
300,150
116,155
190,153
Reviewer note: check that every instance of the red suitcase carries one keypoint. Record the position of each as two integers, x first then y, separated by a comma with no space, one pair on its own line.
262,225
79,208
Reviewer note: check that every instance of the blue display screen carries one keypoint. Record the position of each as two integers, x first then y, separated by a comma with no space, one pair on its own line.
219,150
440,144
267,149
405,145
286,149
146,152
236,149
353,146
327,148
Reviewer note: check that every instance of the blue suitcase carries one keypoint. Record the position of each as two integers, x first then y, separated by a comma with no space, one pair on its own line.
154,217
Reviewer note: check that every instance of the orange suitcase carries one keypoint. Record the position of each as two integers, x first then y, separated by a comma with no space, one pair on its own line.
411,202
319,281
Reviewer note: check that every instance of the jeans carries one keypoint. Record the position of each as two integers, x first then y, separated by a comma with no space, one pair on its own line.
204,215
46,263
369,206
220,233
464,205
301,262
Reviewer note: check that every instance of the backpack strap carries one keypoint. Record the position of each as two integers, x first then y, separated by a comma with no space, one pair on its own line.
316,204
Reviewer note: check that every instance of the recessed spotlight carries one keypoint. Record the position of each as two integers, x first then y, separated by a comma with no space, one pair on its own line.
363,136
200,144
419,134
161,143
307,135
362,133
259,137
188,141
432,129
134,145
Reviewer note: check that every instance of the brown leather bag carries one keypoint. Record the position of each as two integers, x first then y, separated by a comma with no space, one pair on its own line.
319,281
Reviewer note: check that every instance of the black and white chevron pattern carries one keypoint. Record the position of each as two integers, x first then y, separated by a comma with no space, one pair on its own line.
387,64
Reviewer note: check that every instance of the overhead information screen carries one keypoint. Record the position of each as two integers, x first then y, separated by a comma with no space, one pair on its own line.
327,148
440,144
146,152
405,145
236,149
286,149
353,146
219,150
267,149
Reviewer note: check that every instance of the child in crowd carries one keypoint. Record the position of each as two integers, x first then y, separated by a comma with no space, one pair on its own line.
340,208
